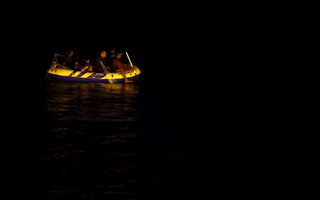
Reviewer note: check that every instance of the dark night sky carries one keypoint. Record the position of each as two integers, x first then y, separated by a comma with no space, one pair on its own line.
159,23
161,30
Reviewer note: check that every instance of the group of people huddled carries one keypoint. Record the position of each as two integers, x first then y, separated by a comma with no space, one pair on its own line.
106,62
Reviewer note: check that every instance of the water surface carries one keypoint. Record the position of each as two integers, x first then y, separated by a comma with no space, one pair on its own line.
221,138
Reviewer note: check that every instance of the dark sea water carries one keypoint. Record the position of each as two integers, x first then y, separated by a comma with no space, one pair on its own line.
89,141
163,138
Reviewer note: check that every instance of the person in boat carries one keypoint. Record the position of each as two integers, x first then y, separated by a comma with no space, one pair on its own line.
86,66
121,67
101,65
70,60
111,55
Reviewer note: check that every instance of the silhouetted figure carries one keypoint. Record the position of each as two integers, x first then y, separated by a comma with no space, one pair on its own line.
69,60
86,66
122,67
101,65
111,55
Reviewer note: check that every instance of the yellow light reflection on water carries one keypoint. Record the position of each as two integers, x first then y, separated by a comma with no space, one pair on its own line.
88,101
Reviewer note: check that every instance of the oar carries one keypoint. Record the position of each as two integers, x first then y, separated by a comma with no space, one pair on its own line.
129,59
105,68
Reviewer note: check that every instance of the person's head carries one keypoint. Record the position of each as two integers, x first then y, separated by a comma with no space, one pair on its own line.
119,55
69,52
103,53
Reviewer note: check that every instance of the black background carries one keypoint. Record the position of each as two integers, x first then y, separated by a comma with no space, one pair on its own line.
267,34
262,56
